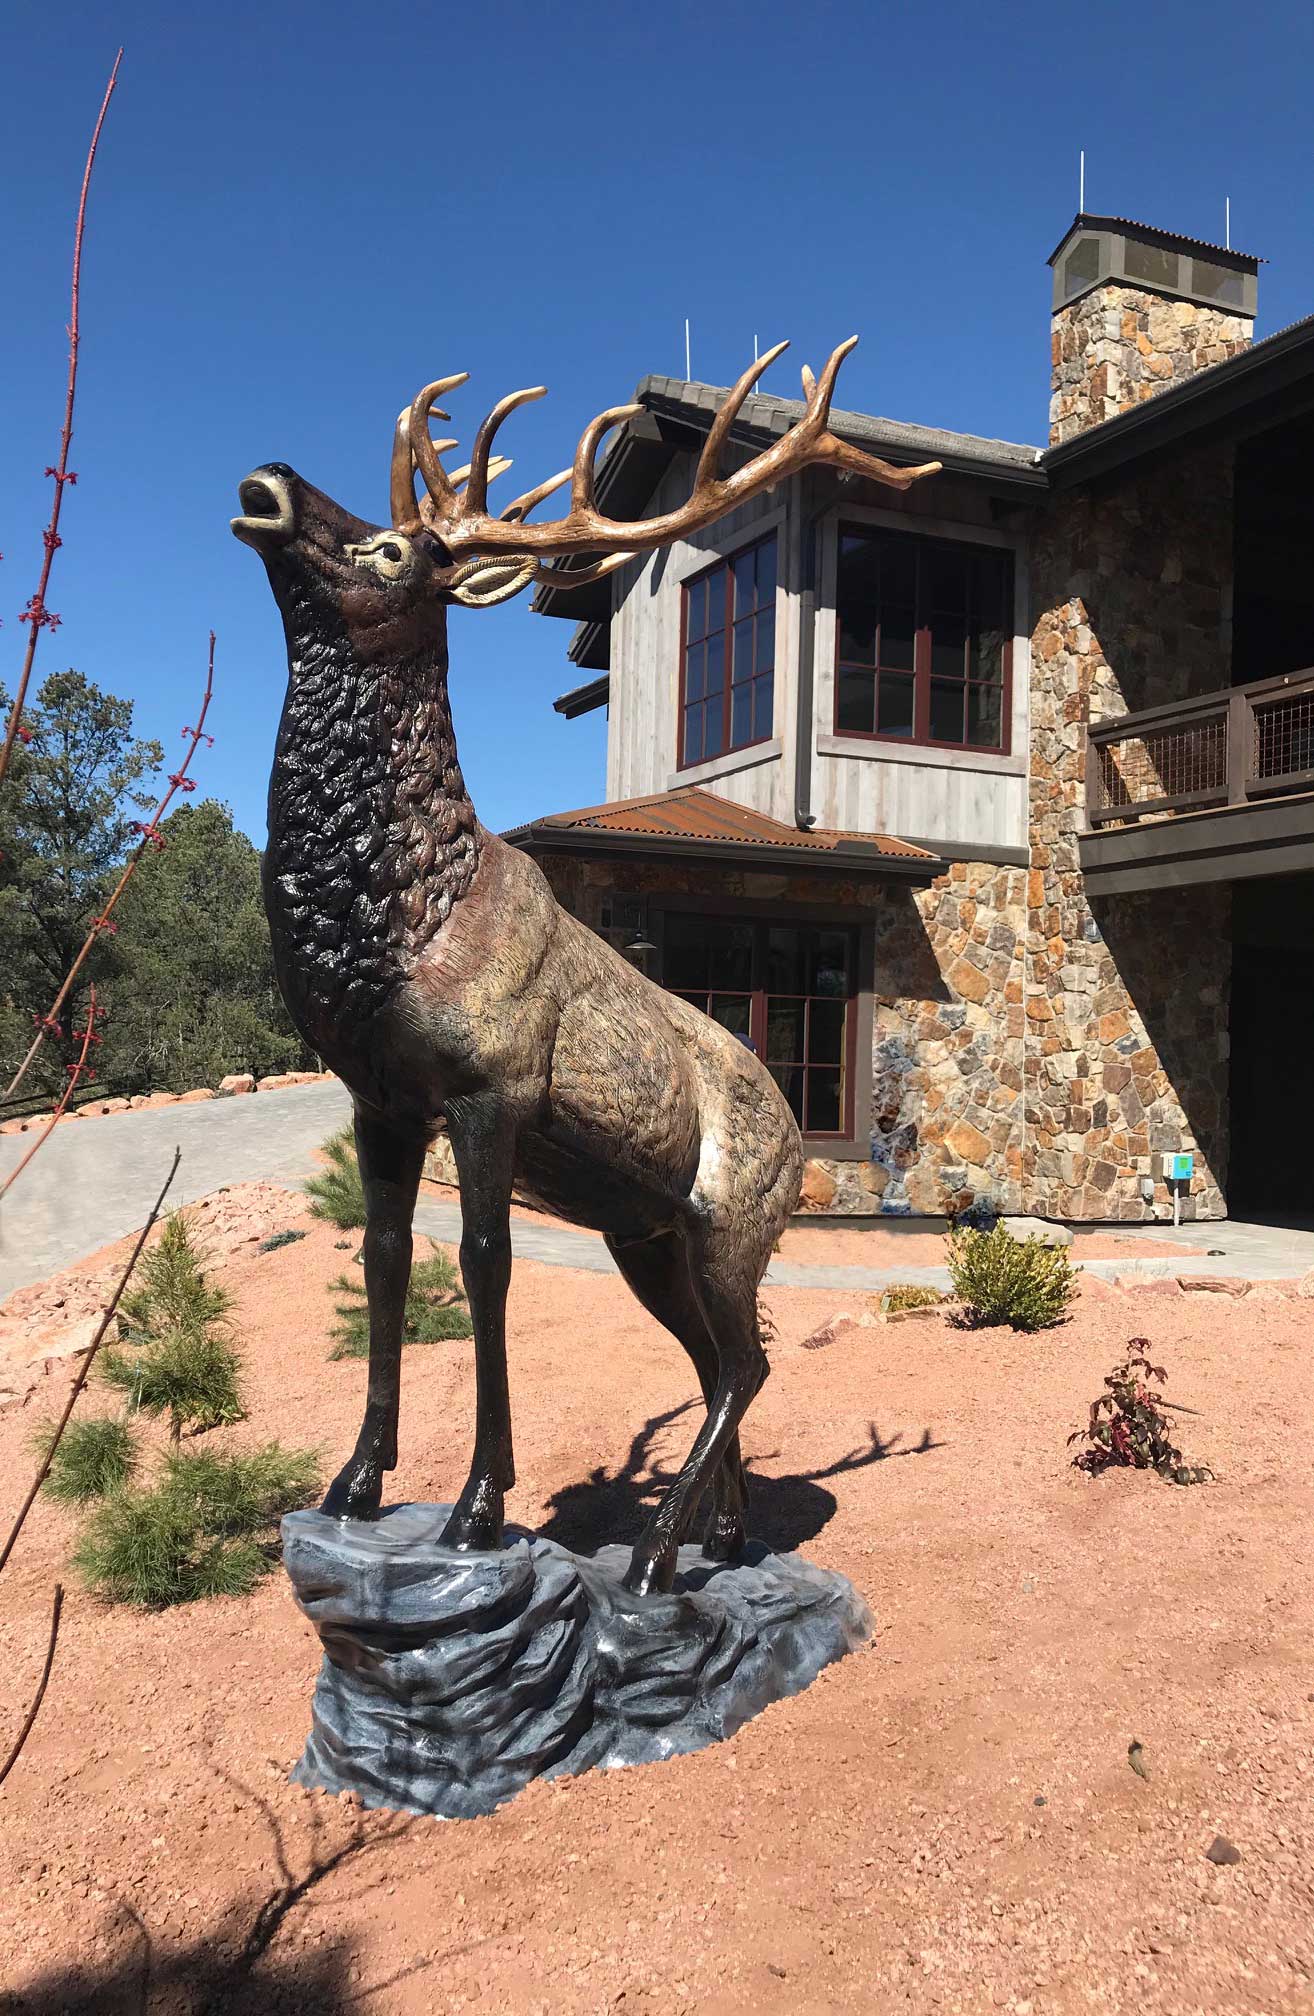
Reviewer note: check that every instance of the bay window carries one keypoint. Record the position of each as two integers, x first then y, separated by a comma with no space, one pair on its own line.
728,655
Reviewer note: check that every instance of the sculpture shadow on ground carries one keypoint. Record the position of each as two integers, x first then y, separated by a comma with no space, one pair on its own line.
784,1512
240,1970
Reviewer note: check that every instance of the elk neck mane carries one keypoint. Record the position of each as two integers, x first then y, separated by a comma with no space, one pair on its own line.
372,835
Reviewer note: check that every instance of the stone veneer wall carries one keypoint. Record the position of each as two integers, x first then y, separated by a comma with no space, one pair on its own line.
945,1120
1117,345
1126,1001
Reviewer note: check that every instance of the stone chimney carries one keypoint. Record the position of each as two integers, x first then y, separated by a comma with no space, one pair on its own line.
1135,311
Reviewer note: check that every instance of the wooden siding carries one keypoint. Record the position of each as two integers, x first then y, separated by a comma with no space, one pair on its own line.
945,797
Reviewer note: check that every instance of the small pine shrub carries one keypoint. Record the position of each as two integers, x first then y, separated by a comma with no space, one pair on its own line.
1000,1279
1128,1427
337,1193
909,1295
199,1532
190,1375
229,1496
171,1290
435,1308
277,1239
94,1457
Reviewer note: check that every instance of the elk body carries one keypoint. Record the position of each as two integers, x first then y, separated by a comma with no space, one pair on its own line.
429,964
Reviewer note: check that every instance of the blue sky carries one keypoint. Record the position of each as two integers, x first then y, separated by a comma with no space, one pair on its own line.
302,212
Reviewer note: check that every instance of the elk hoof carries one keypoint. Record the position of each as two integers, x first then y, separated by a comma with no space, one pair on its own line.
651,1571
473,1532
357,1490
724,1538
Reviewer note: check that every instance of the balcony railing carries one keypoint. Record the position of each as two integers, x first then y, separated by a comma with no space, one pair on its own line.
1230,748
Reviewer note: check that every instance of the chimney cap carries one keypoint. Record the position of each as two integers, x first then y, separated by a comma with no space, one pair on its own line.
1150,234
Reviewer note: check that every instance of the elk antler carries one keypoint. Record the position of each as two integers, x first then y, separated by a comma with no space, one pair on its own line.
463,523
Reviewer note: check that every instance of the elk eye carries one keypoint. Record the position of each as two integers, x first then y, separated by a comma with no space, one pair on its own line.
389,551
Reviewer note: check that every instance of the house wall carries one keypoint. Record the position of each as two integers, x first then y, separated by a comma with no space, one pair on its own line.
1126,999
941,1120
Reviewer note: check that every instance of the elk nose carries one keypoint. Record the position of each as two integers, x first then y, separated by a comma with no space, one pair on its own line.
268,515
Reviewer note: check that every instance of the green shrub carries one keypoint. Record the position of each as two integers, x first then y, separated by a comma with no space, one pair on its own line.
228,1496
909,1295
1000,1279
277,1239
94,1457
190,1375
171,1290
1127,1426
337,1193
204,1530
435,1308
144,1547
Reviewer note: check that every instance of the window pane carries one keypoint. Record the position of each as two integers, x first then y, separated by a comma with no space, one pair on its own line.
732,1011
946,711
1082,264
899,566
764,656
858,567
855,701
898,637
948,659
715,664
764,700
895,715
713,729
787,965
948,578
766,573
731,953
986,657
696,619
825,1032
741,716
693,672
1219,283
687,959
790,1080
743,659
993,589
784,1042
823,1105
715,586
830,964
745,573
857,633
984,715
693,734
1149,262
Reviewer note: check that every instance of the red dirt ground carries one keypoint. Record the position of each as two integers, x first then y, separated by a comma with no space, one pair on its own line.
946,1820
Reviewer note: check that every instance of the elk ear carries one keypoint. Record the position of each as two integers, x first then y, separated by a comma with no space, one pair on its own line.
480,584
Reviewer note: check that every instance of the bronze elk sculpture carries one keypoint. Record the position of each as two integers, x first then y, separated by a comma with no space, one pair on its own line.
429,965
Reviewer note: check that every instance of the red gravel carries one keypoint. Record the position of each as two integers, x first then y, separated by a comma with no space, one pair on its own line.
945,1821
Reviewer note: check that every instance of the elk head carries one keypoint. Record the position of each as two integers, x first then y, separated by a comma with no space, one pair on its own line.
390,584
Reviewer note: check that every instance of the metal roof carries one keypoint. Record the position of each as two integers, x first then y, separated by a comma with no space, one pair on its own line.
690,813
1086,220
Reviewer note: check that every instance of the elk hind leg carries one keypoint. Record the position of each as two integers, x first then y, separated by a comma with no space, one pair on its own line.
725,1289
657,1274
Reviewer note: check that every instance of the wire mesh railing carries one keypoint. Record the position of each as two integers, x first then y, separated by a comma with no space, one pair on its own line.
1223,748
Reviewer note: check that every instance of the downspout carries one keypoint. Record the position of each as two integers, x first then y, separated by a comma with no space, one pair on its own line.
804,817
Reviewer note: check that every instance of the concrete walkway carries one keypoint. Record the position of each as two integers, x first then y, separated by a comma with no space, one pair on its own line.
95,1180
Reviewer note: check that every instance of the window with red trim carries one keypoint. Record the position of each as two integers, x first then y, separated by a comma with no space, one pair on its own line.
727,677
924,639
788,992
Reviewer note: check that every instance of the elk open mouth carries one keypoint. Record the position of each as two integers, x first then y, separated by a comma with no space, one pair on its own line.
268,518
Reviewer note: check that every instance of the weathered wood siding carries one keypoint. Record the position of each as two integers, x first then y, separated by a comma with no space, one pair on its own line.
946,797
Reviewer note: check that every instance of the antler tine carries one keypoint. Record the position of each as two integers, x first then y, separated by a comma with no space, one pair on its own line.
401,482
582,577
497,467
421,445
820,393
520,507
583,473
719,431
476,490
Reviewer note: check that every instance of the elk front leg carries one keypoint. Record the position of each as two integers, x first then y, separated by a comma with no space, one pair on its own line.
390,1168
483,1138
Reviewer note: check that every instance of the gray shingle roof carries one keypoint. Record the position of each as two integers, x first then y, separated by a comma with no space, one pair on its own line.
763,413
